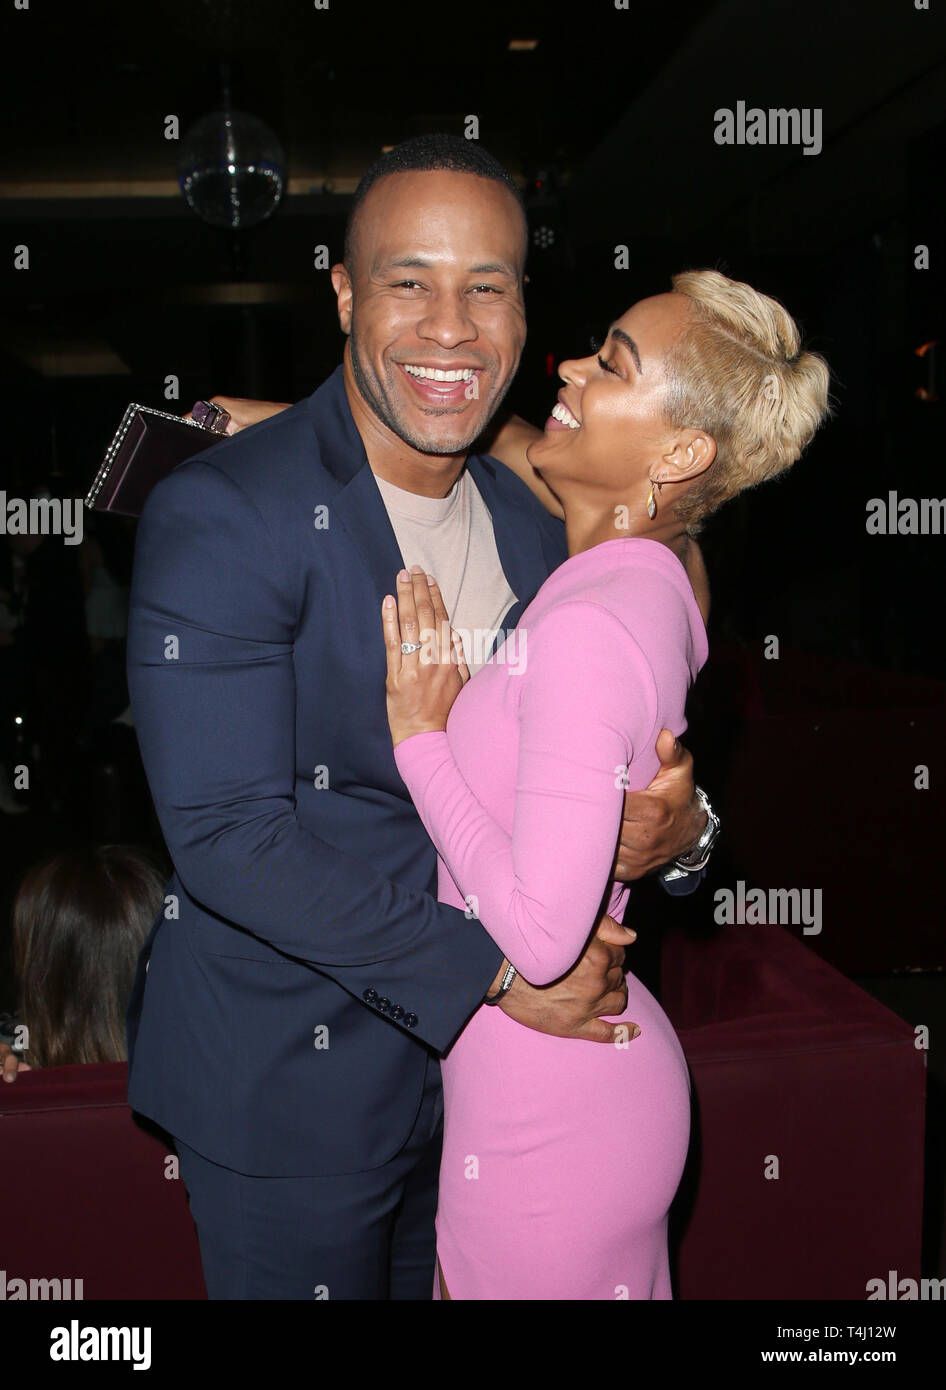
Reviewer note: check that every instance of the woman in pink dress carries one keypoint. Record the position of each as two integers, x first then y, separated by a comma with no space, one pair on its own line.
561,1159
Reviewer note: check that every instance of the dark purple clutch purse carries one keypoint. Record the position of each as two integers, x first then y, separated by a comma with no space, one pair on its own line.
147,445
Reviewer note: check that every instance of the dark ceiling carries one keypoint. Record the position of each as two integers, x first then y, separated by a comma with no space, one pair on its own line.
614,106
87,87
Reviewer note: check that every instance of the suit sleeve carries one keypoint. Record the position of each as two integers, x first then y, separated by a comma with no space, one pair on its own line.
589,696
210,673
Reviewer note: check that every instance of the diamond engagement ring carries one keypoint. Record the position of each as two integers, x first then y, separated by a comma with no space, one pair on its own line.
408,647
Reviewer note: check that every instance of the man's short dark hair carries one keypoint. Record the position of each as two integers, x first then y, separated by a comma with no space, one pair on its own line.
427,153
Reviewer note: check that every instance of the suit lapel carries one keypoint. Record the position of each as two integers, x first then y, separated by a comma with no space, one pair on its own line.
359,507
358,504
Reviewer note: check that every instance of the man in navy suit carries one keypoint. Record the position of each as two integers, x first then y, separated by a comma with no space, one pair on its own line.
302,979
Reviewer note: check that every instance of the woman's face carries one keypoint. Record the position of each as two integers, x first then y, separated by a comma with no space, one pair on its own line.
610,433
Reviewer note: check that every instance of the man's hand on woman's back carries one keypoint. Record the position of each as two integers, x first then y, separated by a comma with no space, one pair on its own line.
580,1003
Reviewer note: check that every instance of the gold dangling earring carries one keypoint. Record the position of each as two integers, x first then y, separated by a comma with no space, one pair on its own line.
652,500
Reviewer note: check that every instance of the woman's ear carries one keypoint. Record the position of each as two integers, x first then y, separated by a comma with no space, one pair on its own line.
691,455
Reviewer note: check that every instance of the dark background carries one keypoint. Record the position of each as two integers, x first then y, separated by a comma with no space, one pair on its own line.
608,123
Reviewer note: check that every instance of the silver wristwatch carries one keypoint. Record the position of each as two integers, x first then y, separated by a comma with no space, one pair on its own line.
698,856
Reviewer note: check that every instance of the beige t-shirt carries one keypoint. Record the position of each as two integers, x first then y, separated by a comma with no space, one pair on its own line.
452,537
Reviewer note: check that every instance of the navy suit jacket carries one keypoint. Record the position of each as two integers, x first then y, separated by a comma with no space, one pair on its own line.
301,967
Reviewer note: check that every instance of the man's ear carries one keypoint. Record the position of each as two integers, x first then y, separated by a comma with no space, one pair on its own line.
692,453
341,284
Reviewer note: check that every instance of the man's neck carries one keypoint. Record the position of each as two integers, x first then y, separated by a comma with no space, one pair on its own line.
429,475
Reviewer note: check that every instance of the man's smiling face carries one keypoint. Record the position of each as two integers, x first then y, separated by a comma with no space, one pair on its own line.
433,304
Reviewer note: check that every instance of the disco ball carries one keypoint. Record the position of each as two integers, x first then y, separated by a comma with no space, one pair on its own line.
232,169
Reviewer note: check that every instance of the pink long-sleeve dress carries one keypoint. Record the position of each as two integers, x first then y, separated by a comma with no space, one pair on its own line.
560,1157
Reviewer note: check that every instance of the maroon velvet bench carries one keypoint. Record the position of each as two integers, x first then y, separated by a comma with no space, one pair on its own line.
789,1058
89,1198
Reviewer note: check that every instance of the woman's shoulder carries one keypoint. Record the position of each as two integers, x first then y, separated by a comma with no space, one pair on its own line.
632,584
619,570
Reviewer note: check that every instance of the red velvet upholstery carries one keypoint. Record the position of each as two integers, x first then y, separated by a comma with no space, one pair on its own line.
819,791
790,1058
90,1198
787,1058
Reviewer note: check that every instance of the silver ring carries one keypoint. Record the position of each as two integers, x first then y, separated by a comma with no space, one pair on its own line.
408,647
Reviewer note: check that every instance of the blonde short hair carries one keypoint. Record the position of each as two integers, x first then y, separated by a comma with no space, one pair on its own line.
739,373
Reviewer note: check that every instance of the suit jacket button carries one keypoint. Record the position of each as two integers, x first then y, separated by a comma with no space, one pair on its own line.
410,1020
370,997
384,1004
397,1013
